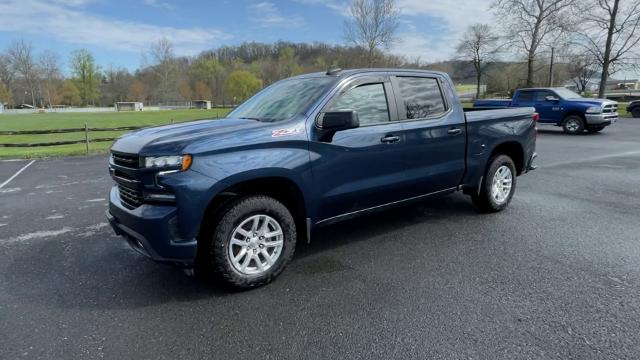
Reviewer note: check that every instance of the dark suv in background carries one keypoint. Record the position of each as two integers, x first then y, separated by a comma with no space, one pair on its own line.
634,109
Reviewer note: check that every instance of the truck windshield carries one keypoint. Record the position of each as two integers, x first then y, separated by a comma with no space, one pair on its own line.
284,99
567,94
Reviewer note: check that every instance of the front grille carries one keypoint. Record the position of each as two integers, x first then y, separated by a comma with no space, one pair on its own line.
609,109
124,175
127,160
131,198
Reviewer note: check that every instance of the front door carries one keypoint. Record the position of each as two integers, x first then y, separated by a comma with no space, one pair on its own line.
360,168
549,110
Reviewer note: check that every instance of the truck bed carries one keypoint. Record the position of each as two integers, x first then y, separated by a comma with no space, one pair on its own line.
498,114
492,103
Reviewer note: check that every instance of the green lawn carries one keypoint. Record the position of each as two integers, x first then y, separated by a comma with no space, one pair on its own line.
622,110
77,120
465,88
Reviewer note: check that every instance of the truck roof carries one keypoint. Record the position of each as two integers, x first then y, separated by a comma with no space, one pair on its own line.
348,72
541,88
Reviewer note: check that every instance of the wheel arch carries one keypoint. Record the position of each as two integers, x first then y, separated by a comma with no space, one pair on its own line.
281,187
574,113
512,149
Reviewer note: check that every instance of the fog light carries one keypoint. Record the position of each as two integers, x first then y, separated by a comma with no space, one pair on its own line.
160,197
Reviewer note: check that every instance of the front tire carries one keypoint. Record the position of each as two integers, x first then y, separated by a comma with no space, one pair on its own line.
252,242
573,124
635,112
498,185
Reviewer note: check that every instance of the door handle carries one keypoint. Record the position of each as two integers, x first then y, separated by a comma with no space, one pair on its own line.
454,131
390,139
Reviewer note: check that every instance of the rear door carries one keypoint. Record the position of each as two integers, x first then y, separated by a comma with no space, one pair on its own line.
434,131
360,168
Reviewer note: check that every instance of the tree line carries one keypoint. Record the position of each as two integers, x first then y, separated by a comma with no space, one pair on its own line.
226,75
537,42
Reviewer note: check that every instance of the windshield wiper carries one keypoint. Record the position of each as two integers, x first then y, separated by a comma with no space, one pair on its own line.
250,118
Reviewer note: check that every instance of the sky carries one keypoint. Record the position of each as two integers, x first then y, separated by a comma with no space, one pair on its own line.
118,32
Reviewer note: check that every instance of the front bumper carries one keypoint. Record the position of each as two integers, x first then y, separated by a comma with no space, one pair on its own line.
151,230
602,119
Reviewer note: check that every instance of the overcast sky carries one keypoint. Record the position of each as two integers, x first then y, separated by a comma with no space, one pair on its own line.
119,31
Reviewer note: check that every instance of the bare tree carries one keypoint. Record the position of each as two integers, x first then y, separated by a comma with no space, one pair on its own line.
478,44
162,60
582,68
532,24
612,35
21,58
372,25
6,74
51,76
116,84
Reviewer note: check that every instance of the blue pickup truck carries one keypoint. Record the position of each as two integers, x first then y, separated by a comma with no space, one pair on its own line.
232,197
561,107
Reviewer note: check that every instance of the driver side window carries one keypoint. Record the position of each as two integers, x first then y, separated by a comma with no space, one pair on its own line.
369,100
542,95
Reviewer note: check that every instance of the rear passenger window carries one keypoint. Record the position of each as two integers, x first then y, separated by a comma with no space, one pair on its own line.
525,96
422,97
369,100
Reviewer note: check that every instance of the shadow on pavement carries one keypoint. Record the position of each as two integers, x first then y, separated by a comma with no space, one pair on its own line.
559,132
99,272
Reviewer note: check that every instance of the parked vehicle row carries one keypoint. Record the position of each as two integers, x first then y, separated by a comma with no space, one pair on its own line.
561,107
232,197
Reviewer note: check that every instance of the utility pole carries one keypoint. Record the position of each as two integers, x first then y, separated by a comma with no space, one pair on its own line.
551,67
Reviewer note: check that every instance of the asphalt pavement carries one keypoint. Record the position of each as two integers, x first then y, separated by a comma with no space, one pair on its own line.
555,276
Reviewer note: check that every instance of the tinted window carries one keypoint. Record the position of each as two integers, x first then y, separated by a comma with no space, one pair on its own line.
525,96
422,97
368,100
541,95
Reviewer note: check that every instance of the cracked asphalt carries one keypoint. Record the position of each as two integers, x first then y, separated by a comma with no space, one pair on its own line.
555,276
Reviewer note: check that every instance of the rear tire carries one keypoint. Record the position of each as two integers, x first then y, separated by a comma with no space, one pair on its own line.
252,242
498,185
573,125
635,112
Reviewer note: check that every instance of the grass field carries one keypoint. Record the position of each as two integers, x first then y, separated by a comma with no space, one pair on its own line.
102,120
77,120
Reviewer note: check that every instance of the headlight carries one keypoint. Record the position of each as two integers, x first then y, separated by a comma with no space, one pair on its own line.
183,162
594,110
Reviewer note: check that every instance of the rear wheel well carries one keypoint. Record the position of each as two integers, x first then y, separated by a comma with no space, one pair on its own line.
513,150
282,189
575,113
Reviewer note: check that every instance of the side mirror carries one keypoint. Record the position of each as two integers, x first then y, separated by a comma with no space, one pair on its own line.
551,98
338,120
329,123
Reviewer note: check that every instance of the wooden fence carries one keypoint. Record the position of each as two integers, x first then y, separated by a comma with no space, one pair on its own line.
86,129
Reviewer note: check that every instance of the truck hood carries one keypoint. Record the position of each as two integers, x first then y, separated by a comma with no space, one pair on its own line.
172,139
593,102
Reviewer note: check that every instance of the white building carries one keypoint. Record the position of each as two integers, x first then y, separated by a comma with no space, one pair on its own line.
129,106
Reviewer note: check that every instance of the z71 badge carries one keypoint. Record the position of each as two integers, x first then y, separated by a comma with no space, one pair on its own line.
285,132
